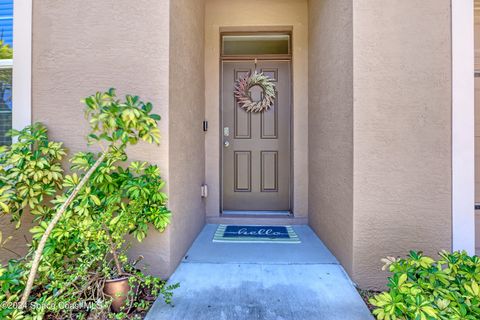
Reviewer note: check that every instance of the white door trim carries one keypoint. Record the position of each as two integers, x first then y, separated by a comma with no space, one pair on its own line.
463,127
22,64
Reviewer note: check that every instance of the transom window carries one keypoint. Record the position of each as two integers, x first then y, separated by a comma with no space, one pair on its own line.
255,44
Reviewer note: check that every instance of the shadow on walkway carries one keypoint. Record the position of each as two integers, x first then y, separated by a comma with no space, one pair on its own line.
236,281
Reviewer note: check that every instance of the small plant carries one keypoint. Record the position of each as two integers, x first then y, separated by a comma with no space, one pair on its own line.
117,202
124,201
422,288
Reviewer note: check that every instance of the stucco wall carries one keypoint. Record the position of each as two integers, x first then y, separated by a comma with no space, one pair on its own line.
402,131
372,110
187,111
330,125
257,13
80,47
16,247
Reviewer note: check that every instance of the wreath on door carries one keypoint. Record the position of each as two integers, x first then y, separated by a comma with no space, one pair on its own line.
242,92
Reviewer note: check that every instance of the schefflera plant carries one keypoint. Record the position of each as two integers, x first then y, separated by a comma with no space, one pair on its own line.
123,201
89,245
114,125
423,288
30,171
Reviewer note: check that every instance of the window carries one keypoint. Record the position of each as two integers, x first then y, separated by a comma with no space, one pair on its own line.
6,64
255,44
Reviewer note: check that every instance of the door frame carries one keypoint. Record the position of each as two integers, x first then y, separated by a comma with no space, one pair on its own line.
244,58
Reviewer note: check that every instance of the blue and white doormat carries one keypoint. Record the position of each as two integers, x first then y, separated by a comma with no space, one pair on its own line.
255,234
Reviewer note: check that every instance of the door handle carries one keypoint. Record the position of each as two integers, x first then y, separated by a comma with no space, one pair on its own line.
226,144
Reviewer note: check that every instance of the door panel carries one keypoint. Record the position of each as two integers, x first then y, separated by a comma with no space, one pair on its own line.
243,171
269,161
256,146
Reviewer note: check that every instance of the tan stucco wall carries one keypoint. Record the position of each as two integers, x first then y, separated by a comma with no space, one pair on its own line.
257,13
16,247
402,131
331,125
380,130
83,46
372,117
187,111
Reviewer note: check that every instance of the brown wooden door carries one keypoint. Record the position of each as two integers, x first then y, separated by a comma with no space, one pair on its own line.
256,146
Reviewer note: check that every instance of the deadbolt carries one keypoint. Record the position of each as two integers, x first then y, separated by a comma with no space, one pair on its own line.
226,131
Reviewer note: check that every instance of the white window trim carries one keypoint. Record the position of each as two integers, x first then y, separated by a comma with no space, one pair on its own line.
22,64
6,63
463,127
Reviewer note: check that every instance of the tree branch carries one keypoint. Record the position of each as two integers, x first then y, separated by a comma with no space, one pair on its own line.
51,225
113,250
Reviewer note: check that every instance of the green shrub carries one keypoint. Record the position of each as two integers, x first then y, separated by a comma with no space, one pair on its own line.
82,218
30,171
422,288
11,288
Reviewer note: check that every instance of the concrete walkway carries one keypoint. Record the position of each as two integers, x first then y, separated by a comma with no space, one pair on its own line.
237,281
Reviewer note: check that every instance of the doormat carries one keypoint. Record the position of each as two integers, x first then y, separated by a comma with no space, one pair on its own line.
255,234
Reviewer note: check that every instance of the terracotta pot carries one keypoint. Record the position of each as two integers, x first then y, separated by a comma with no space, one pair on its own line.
117,289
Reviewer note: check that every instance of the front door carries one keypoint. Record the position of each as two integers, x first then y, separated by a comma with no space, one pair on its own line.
256,146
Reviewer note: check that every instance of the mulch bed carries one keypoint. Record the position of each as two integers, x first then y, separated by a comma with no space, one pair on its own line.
367,294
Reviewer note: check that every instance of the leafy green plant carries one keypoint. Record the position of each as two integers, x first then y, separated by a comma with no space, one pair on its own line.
126,201
30,171
83,217
114,125
422,288
12,286
148,287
